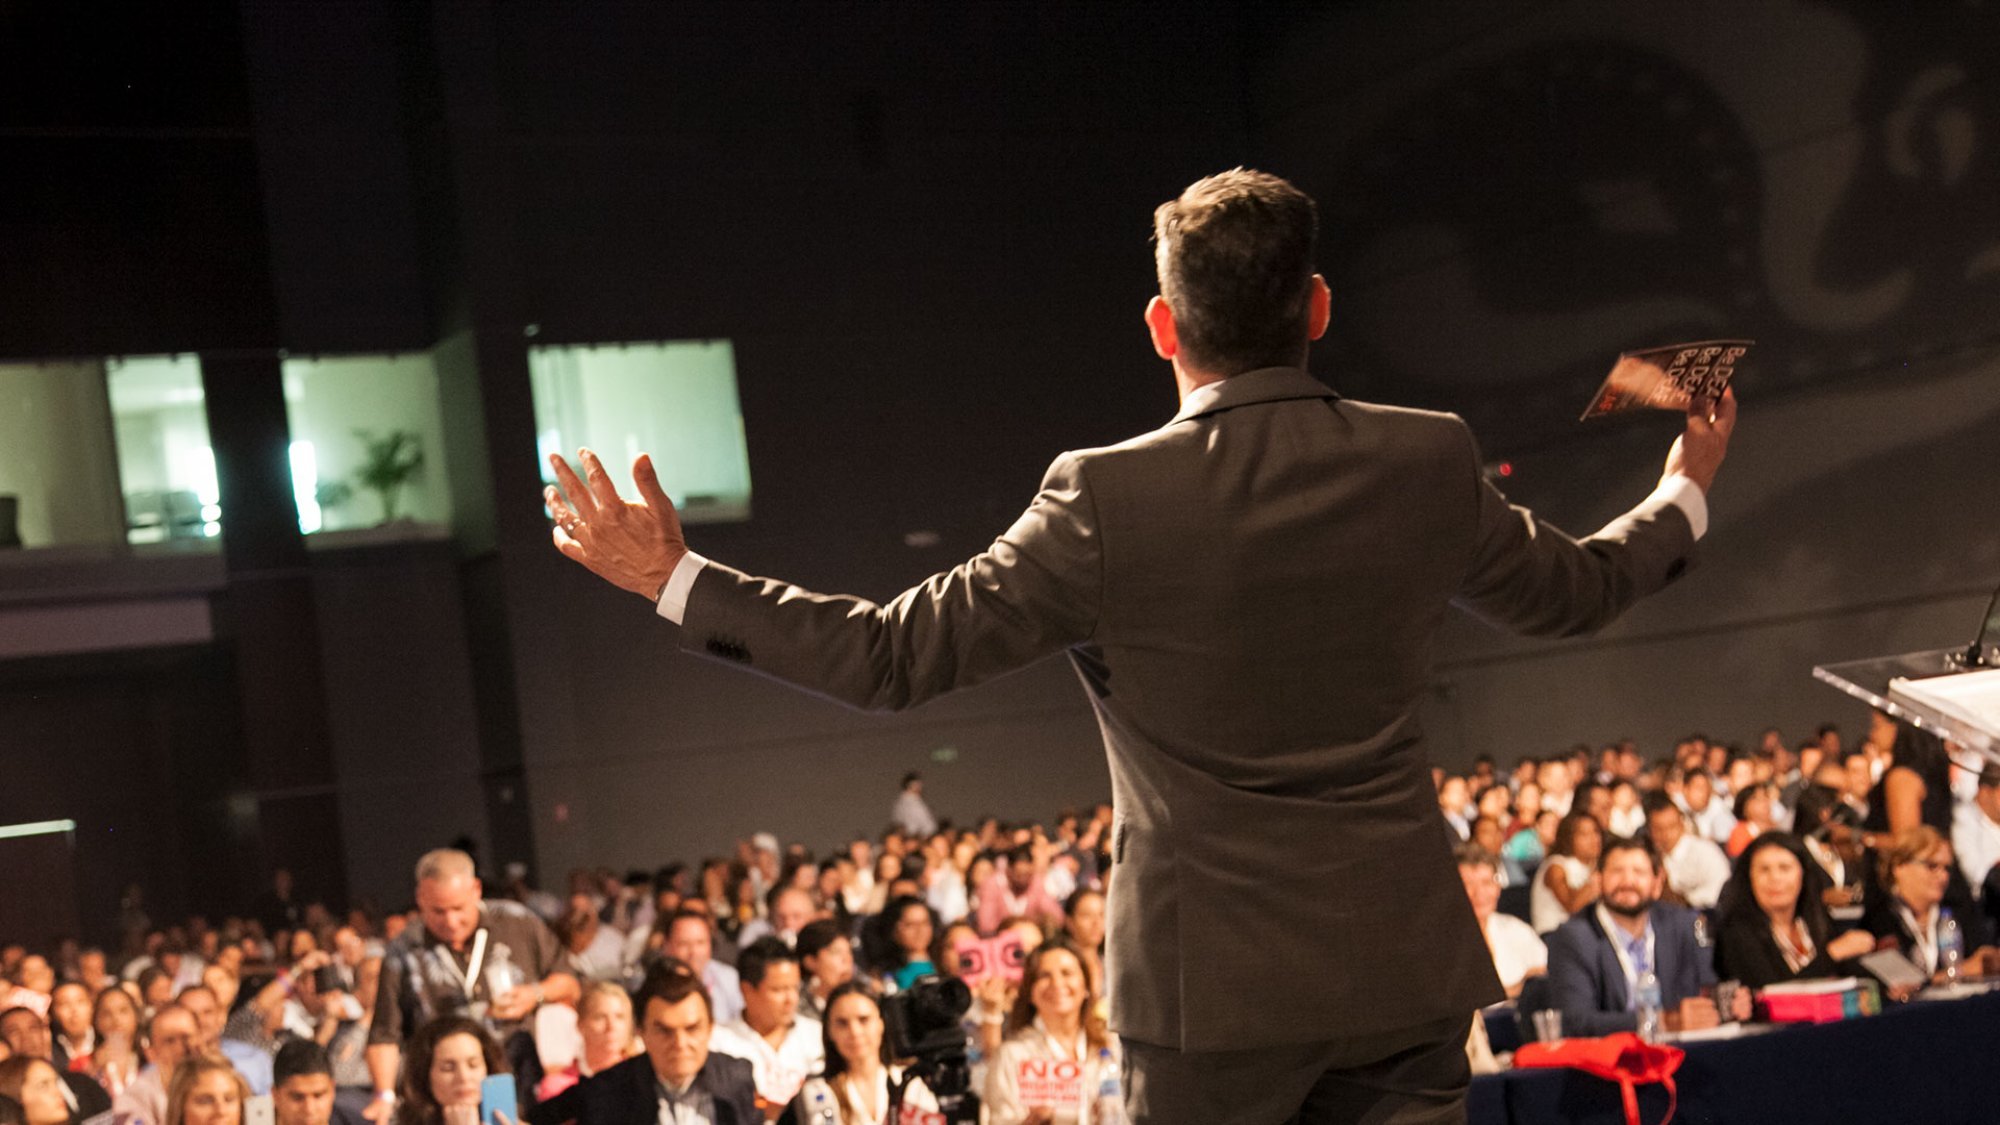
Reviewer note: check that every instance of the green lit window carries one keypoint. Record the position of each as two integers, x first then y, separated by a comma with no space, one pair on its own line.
676,401
367,442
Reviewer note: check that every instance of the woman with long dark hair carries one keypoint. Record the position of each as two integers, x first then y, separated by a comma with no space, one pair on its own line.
444,1065
1774,921
899,944
853,1087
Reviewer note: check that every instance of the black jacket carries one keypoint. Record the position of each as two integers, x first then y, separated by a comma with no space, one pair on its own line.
1746,950
629,1094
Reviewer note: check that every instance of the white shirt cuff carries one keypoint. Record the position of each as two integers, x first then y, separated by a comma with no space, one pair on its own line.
1682,493
674,599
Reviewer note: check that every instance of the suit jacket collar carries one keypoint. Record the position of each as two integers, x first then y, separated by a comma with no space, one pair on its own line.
1266,384
1666,955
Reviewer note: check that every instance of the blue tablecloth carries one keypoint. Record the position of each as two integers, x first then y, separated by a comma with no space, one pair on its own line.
1934,1063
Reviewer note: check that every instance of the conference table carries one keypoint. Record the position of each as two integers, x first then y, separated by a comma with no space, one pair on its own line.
1932,1062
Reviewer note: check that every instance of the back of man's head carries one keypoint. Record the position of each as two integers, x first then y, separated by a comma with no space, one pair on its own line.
1235,259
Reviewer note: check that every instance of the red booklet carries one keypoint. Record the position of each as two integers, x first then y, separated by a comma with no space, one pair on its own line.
1669,378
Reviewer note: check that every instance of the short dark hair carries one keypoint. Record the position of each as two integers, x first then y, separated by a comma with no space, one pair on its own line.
299,1057
1234,253
1629,844
671,982
913,775
815,936
757,958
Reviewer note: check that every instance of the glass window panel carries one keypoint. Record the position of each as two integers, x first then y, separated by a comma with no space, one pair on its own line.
674,400
165,464
367,441
58,471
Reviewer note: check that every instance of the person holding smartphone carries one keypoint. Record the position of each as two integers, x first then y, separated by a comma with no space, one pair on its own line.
444,1073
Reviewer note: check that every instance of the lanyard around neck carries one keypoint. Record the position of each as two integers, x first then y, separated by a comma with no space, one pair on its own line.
468,978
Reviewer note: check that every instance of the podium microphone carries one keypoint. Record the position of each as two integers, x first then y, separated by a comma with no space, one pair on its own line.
1975,657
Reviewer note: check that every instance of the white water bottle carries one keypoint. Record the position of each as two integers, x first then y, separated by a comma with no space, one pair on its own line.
1648,1006
1950,944
1110,1096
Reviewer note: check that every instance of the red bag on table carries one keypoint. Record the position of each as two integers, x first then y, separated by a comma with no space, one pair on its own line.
1623,1058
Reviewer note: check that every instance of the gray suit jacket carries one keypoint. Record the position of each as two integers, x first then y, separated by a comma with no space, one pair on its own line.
1249,595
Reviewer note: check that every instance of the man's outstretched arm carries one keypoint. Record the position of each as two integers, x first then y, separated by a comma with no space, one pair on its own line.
1529,577
1034,592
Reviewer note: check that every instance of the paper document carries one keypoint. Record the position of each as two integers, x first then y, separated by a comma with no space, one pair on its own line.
1969,698
1668,378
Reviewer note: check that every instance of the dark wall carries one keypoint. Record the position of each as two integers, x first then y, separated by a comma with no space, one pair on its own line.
140,751
1516,192
925,229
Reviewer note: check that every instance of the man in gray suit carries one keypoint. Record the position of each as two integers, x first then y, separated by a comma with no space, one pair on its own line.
1249,595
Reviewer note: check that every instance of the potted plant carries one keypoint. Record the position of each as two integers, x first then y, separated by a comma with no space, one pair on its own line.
387,464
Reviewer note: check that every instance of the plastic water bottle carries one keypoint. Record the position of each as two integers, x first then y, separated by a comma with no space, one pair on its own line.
1648,1006
1110,1098
1950,944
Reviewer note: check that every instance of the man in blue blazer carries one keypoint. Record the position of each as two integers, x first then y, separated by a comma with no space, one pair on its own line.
1596,957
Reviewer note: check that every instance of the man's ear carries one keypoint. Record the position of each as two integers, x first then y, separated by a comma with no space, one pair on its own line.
1160,326
1319,308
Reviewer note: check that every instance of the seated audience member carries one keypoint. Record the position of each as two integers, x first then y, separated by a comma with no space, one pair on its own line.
1597,957
207,1090
896,944
1054,1019
1628,815
1567,880
604,1020
1531,844
783,1047
1487,834
1708,817
1774,924
1756,813
1517,952
1914,893
1017,892
853,1087
27,1034
302,1090
1832,837
69,1027
36,1088
209,1016
678,1079
826,961
34,983
1975,835
596,949
171,1036
1696,868
1455,802
788,909
691,941
115,1057
947,892
1083,924
444,1064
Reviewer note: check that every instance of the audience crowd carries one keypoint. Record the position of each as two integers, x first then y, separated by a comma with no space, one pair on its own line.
1662,896
759,985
